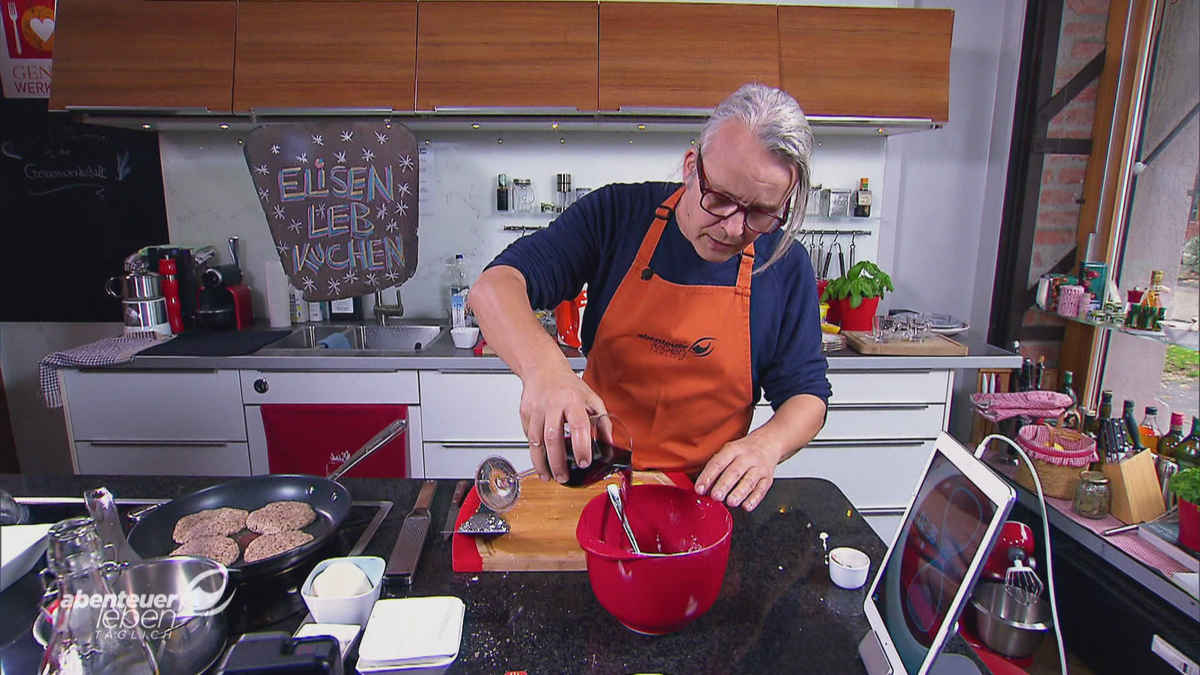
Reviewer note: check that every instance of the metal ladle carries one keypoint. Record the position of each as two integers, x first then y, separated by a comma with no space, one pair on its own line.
614,496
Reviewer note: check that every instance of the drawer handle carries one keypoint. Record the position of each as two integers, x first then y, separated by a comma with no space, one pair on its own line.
882,511
483,445
189,444
850,444
896,371
880,406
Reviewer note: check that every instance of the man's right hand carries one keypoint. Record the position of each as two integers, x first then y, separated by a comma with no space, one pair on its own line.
555,399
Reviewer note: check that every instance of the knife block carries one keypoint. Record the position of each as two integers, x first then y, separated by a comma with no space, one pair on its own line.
1136,494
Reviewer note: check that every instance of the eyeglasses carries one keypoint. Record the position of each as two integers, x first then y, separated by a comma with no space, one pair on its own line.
759,221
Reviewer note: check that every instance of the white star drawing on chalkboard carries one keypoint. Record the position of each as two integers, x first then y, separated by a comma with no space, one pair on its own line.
403,208
368,155
350,277
372,279
302,158
274,149
309,285
347,136
381,137
391,226
321,209
406,163
340,156
391,276
381,212
282,248
404,189
263,194
295,226
262,169
334,286
318,139
279,212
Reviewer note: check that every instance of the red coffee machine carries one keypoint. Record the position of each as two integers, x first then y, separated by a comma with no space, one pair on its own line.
223,301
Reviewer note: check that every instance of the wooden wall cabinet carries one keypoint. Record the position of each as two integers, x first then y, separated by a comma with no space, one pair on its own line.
506,55
356,54
678,55
134,54
867,62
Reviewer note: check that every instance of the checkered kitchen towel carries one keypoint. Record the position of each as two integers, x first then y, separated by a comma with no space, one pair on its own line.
106,352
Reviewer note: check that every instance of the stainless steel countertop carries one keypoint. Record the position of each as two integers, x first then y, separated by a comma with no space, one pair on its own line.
443,355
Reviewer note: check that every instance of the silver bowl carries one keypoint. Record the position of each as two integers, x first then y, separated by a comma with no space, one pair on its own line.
1009,623
186,634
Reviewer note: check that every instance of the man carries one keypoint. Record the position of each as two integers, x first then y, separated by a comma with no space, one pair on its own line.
697,301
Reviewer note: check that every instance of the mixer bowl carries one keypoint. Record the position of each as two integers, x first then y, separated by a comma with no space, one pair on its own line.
1007,626
686,538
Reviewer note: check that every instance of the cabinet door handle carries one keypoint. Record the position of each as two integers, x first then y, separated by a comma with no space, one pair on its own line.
869,443
482,445
882,511
879,406
889,371
157,443
261,386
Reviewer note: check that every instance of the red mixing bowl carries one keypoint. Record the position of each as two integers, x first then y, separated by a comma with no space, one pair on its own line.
685,539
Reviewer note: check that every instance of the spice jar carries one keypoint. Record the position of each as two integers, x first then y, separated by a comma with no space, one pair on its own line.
1092,495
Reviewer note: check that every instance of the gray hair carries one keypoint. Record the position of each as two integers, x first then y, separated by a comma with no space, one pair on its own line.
776,120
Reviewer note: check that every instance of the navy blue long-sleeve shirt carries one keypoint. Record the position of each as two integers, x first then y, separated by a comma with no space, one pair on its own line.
596,240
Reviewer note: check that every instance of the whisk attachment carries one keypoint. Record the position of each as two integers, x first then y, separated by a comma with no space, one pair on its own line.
1020,580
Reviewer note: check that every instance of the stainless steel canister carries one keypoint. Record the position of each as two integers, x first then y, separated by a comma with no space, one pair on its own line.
839,203
148,314
135,286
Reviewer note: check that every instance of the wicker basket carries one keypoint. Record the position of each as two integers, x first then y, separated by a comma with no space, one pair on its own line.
1057,467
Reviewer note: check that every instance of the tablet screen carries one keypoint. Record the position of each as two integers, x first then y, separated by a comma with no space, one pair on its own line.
929,562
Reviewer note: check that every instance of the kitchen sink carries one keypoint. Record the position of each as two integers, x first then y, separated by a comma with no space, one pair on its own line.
406,338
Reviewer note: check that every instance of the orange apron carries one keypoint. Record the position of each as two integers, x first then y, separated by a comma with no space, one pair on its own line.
673,361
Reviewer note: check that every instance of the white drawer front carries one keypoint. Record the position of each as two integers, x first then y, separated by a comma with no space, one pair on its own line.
215,459
881,422
889,387
459,460
260,387
154,406
471,406
872,476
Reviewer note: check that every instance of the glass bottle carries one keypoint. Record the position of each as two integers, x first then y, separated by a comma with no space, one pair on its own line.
1091,424
1132,436
94,637
1106,398
1156,294
1187,453
503,194
1169,443
1148,430
862,200
1068,387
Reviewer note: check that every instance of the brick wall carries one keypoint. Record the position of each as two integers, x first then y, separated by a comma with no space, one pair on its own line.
1081,38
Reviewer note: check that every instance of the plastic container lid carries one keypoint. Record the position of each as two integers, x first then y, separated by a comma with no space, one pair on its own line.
412,631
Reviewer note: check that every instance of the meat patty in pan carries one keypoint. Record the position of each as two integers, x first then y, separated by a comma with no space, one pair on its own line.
270,545
279,517
222,549
220,522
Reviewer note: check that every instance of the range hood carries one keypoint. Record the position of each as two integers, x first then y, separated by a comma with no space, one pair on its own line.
467,119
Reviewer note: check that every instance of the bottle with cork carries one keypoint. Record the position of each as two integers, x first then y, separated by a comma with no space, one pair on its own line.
862,200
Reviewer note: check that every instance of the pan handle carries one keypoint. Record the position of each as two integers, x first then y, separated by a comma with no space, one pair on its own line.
137,515
381,439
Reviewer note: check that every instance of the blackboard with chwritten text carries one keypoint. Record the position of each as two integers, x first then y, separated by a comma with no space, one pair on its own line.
75,201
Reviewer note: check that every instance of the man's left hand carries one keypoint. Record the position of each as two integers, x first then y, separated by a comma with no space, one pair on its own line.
739,474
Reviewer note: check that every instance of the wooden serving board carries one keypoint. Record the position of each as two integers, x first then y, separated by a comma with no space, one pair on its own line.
936,345
541,535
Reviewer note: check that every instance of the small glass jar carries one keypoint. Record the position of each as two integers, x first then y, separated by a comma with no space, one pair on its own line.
1092,495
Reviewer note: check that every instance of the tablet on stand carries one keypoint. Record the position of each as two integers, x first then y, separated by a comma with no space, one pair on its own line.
932,564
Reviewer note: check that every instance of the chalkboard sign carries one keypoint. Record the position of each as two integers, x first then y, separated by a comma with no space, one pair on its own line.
75,201
340,198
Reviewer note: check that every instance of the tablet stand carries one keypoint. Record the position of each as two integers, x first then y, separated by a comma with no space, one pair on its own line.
873,656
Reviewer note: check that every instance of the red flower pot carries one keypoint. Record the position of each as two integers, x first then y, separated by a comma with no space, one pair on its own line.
1189,525
855,318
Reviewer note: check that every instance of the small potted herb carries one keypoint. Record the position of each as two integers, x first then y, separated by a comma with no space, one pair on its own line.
854,298
1186,486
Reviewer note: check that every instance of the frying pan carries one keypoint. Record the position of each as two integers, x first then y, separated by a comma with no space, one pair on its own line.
152,533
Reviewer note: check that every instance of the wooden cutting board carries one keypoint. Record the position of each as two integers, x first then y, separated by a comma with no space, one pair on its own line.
541,537
936,345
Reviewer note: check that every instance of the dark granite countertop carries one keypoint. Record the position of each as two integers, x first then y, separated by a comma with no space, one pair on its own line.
778,612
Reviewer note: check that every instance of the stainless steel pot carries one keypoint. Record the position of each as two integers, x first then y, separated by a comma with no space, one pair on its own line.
1007,625
135,286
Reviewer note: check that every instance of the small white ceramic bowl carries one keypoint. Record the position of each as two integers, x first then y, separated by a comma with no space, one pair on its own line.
466,337
355,609
848,567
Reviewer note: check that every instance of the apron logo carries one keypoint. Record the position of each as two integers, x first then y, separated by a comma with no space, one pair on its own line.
703,347
679,350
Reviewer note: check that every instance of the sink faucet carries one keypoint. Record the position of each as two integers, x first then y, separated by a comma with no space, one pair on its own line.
383,311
